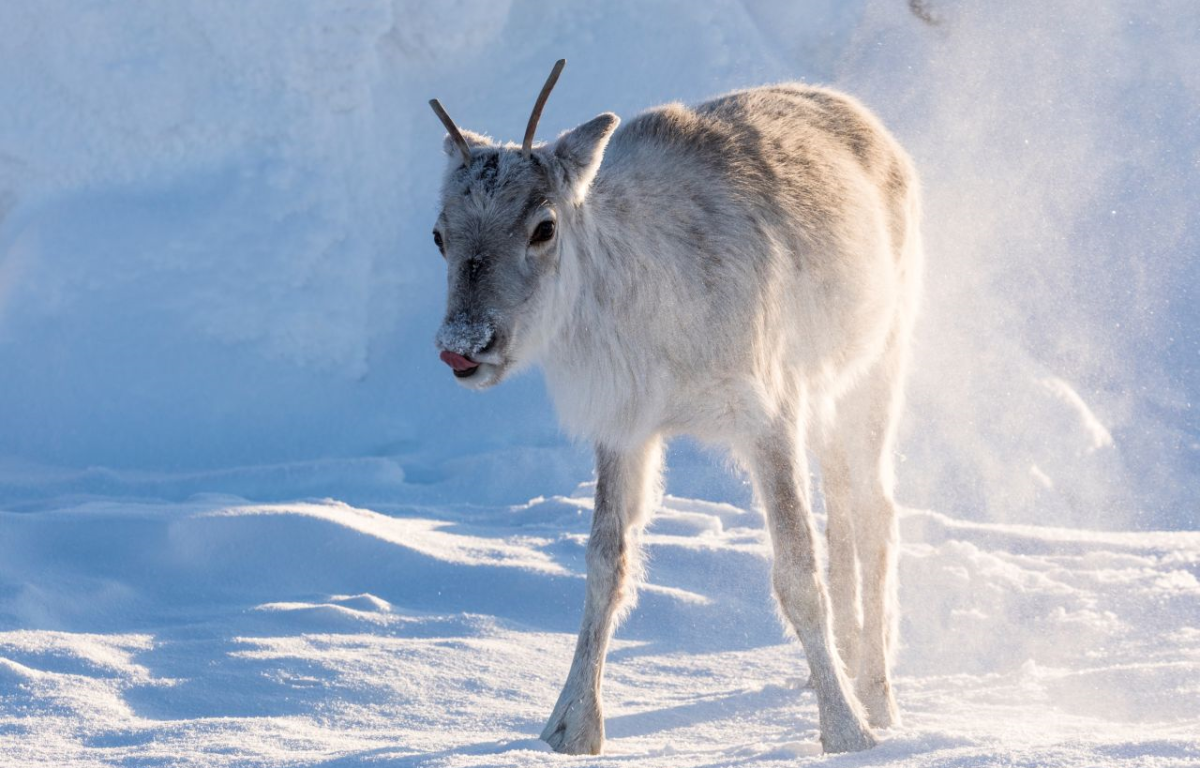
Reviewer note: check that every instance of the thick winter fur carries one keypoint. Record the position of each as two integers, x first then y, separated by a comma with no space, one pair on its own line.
745,271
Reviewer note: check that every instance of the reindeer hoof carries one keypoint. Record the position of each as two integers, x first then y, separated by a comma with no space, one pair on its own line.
579,730
854,737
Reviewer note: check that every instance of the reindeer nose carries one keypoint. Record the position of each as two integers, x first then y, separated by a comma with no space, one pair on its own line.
463,337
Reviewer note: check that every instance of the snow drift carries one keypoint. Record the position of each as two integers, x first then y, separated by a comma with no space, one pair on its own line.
214,249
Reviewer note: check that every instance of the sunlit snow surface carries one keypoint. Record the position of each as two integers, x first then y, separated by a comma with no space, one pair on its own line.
218,295
219,632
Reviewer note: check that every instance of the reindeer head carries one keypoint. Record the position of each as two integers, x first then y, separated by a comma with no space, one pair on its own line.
505,211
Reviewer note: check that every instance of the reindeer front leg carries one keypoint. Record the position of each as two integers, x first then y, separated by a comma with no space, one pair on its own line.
626,489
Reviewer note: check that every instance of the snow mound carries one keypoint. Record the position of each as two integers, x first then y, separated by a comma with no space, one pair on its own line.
216,273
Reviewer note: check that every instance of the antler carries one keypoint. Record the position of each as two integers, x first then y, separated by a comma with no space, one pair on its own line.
452,129
527,145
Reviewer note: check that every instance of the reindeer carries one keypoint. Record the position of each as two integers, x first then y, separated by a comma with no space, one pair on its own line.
745,271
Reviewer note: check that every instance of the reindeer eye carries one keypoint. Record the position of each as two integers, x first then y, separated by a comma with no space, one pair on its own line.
543,232
437,240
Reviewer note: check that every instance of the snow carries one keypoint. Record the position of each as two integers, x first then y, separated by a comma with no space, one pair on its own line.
221,632
247,518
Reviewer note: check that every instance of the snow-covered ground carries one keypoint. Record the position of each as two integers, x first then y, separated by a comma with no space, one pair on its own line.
219,632
246,517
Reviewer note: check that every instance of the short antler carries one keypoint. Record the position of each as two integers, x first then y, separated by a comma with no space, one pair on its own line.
527,145
452,129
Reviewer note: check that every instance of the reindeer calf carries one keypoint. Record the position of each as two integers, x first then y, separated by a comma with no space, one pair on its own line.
745,271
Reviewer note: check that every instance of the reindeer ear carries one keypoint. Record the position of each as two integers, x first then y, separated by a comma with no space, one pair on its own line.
579,152
450,147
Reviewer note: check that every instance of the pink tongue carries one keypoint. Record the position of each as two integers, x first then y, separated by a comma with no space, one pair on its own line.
457,361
